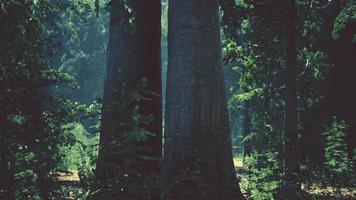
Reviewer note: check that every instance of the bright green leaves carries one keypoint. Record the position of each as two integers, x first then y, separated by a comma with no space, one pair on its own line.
338,165
231,51
263,176
248,95
336,157
80,153
57,77
346,16
314,64
241,3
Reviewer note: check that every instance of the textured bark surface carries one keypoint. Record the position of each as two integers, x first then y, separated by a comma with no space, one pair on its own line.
197,161
133,71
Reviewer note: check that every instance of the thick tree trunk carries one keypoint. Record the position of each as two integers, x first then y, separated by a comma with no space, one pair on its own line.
197,160
132,88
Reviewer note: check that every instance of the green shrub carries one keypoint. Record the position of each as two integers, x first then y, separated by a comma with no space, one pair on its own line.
338,165
264,175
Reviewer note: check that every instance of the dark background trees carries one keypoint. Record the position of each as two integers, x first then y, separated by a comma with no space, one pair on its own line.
262,64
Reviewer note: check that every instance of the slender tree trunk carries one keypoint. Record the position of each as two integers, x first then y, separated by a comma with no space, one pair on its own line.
132,95
247,127
290,188
197,160
326,44
291,111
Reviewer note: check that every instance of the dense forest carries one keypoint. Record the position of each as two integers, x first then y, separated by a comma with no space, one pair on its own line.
177,99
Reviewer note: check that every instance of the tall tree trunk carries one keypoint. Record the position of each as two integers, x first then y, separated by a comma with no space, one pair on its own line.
291,111
128,161
290,188
197,161
326,44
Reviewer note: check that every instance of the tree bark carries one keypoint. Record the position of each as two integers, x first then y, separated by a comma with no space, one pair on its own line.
197,161
291,111
290,188
132,92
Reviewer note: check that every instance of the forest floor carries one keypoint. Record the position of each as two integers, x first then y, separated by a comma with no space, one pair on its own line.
70,180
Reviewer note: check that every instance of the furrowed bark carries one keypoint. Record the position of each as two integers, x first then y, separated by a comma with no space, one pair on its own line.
197,161
133,85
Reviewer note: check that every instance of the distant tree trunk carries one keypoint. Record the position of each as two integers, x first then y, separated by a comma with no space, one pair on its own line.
197,161
247,127
132,88
291,111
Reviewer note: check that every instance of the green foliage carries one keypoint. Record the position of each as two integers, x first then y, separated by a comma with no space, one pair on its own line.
79,156
82,50
337,162
77,153
32,116
263,176
248,95
256,62
346,16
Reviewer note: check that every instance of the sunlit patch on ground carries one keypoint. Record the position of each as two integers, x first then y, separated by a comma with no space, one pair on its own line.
71,176
345,193
238,162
